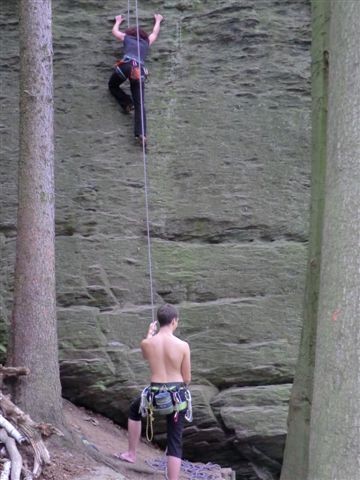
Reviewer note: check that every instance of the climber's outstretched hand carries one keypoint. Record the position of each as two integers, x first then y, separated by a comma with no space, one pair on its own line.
115,30
158,18
154,34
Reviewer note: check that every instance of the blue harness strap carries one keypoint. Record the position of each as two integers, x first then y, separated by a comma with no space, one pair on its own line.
128,58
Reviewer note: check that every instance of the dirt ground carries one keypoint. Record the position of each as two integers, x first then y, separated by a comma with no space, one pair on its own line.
103,438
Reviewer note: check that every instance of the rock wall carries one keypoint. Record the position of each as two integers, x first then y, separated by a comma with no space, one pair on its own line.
228,102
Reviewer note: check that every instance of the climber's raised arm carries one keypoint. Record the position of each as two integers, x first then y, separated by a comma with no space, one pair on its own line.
154,34
115,30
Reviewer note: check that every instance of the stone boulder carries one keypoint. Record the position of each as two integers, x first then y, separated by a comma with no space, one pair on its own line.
256,417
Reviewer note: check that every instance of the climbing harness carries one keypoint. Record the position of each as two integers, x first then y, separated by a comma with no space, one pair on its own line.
189,412
164,400
136,68
118,70
138,71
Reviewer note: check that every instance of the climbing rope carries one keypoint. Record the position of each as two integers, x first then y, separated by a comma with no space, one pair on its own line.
195,471
145,170
209,471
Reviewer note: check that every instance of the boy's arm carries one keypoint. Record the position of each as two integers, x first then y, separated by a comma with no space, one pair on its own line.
151,332
115,30
186,365
154,34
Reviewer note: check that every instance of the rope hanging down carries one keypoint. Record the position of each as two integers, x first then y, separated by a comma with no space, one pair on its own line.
145,169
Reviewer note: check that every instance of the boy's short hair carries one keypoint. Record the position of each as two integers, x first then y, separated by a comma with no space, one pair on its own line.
166,313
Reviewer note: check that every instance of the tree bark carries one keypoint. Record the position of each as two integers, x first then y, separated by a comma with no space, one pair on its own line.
5,472
335,414
296,455
34,331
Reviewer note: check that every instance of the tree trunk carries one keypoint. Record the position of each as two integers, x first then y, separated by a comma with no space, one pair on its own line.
34,331
296,456
335,414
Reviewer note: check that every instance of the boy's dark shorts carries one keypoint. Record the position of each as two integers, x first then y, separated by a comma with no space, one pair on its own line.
174,428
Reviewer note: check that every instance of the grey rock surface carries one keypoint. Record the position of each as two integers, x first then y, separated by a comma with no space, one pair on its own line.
228,104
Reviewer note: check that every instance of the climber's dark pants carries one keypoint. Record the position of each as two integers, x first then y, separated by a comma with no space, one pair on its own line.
174,428
120,75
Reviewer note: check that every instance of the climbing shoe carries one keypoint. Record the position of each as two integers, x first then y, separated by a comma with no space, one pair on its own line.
127,108
140,139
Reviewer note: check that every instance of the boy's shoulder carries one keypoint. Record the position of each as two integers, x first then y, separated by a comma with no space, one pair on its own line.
183,343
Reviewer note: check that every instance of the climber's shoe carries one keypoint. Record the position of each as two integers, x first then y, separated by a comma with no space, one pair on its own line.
127,108
141,140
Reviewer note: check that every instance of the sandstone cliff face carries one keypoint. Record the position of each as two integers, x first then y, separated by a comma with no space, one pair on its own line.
228,103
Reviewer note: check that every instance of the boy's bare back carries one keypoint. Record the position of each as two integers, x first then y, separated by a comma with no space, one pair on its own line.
168,357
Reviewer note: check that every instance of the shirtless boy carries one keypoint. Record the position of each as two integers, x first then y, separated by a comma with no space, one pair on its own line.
169,361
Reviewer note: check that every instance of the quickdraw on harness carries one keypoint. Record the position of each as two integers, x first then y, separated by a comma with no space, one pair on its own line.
164,400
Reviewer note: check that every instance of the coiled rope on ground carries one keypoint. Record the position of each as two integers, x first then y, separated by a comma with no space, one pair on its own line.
195,471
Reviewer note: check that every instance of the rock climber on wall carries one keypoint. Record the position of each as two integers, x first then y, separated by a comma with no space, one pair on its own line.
132,67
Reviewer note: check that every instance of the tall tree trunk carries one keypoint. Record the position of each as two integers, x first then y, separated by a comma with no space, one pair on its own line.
296,456
335,414
34,330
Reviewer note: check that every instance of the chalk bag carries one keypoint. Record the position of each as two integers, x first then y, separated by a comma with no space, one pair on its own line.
163,403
